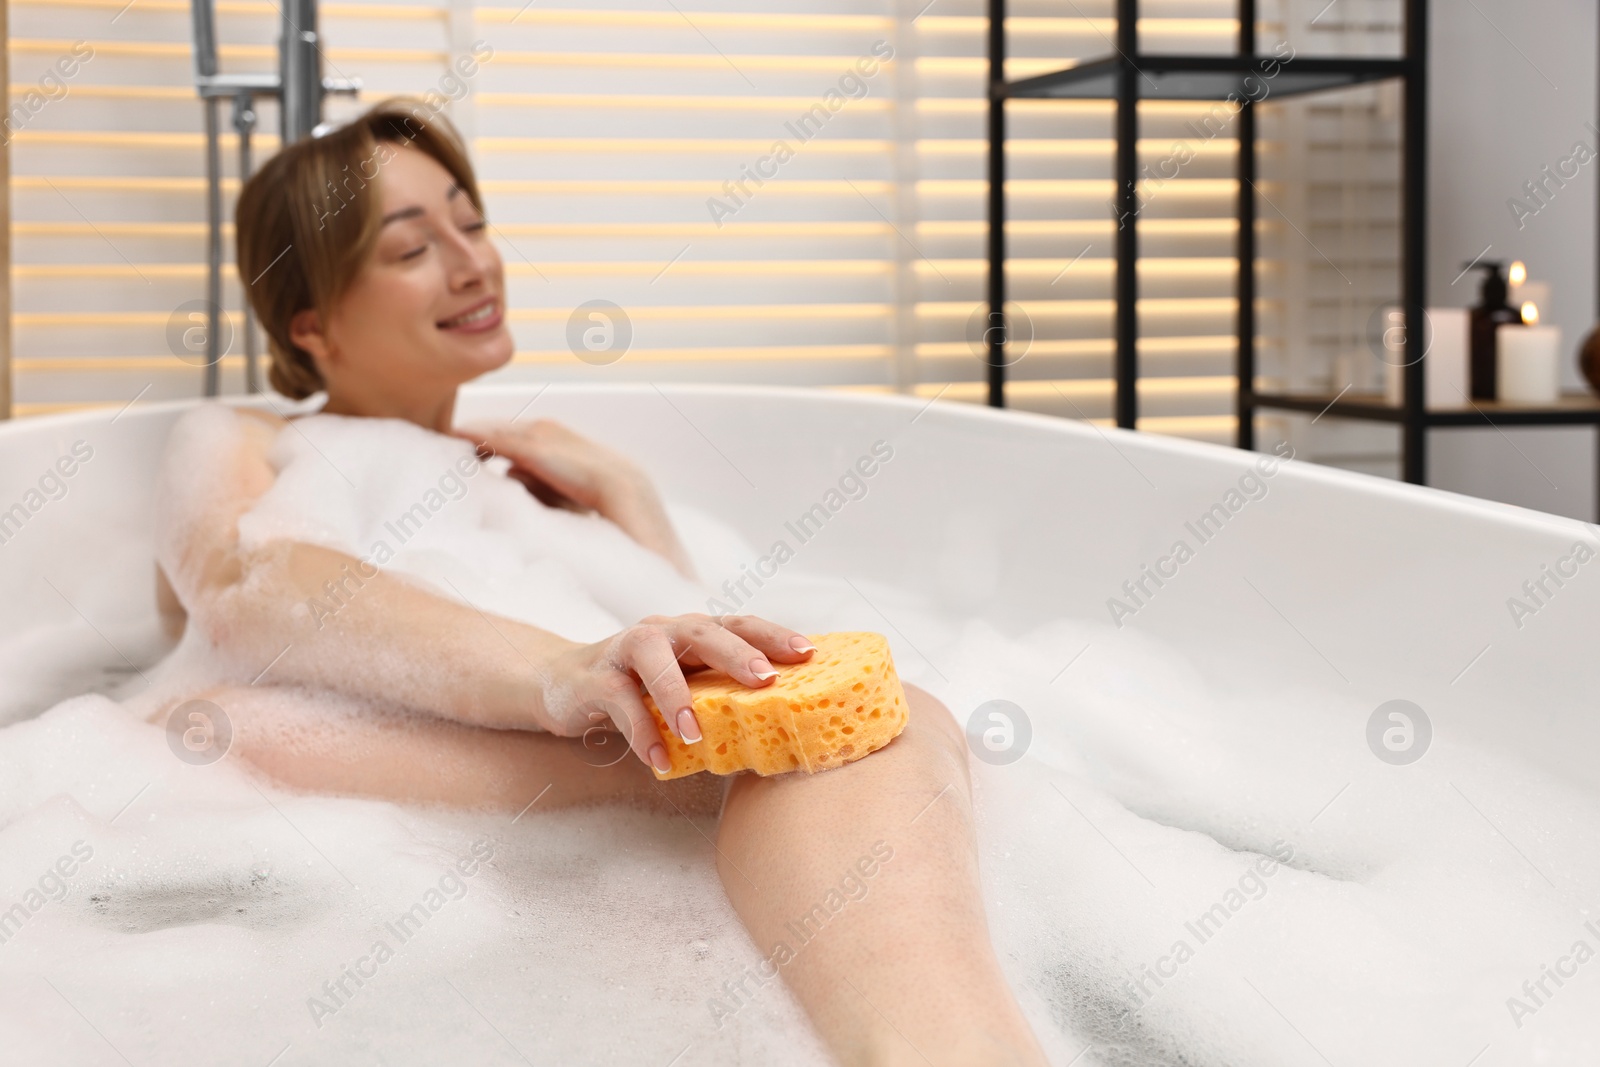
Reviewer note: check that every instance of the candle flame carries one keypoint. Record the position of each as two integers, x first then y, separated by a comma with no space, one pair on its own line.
1530,313
1519,272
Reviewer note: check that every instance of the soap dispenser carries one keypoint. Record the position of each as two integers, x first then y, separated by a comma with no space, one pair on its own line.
1491,313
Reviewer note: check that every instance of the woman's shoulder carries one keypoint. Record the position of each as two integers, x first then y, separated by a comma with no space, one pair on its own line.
217,423
269,418
216,463
232,440
259,428
221,411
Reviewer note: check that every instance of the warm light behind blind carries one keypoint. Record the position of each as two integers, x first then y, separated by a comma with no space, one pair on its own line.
612,144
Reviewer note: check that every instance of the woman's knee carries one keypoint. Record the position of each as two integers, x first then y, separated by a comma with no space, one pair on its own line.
936,720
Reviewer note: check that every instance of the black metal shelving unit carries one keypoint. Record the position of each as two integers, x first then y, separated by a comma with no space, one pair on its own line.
1129,76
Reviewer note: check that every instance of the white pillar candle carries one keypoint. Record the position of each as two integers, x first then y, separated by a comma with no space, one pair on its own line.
1529,364
1446,365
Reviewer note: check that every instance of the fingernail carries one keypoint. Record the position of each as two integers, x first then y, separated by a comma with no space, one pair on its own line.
800,644
659,760
762,669
688,728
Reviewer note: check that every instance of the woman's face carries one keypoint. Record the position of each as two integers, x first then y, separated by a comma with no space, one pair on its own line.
427,310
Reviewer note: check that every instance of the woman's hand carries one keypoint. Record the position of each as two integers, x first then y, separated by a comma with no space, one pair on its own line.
546,454
596,687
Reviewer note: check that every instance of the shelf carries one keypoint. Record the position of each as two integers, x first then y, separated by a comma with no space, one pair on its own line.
1177,77
1573,409
1127,76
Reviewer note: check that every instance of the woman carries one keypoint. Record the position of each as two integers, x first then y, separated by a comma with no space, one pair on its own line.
376,280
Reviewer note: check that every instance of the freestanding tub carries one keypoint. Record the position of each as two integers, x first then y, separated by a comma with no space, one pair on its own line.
1356,583
1477,613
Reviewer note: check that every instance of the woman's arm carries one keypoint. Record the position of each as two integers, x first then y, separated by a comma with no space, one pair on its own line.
387,640
393,641
632,503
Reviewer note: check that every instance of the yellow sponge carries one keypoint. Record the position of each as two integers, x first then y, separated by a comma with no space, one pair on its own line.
841,704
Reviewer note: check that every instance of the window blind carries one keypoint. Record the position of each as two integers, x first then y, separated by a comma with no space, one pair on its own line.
628,158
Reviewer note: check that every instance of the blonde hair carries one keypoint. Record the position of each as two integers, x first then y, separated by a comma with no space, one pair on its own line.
306,222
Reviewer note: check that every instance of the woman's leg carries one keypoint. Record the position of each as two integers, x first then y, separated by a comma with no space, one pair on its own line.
327,743
868,876
868,873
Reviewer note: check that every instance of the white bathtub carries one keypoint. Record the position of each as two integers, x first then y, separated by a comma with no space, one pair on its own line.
1325,582
1346,582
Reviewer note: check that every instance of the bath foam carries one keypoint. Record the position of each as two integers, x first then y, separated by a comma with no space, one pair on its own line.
843,703
1151,784
428,511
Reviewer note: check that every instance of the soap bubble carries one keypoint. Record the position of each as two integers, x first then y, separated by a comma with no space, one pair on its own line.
998,732
1399,732
199,732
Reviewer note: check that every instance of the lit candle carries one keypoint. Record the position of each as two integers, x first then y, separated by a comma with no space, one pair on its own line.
1522,289
1518,273
1532,292
1529,360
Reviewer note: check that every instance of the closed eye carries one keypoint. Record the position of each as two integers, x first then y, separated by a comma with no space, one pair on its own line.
414,253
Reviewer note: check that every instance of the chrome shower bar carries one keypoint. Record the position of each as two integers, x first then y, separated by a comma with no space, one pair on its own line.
299,86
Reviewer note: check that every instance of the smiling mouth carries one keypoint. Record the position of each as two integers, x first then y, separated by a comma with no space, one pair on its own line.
477,316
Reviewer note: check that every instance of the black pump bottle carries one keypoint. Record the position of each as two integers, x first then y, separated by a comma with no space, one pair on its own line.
1491,313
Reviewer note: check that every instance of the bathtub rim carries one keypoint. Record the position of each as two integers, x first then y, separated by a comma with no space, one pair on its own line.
1480,508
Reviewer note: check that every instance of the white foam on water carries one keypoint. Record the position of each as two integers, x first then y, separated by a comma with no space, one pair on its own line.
460,526
214,906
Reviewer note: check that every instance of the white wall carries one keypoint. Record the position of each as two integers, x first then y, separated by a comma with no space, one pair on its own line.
1512,89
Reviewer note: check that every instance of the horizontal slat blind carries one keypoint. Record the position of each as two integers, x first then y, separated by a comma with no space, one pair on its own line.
1335,171
605,138
108,180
